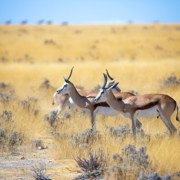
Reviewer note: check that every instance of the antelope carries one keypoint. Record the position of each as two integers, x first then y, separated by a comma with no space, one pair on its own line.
147,104
87,103
62,100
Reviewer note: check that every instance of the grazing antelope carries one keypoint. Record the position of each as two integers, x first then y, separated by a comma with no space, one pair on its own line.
87,103
147,104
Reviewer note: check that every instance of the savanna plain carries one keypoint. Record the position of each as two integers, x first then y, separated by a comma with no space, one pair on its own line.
35,141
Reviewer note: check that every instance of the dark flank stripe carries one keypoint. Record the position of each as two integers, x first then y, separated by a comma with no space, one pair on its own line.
148,106
119,98
101,104
104,104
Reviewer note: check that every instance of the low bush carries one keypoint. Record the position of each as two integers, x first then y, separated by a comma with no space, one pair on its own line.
92,165
39,172
85,138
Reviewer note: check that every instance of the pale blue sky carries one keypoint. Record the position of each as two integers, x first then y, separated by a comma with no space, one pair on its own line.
90,11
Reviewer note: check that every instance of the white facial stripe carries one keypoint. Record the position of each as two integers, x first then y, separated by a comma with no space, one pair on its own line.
62,88
100,95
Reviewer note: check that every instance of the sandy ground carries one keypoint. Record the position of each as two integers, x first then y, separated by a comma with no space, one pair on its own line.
18,165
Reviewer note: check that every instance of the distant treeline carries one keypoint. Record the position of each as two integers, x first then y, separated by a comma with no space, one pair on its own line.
38,22
42,21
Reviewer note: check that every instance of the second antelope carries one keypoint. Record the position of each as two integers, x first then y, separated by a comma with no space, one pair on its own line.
62,100
147,104
87,103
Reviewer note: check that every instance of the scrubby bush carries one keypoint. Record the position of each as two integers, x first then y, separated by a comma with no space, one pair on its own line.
39,172
119,131
6,116
122,131
52,118
4,97
6,92
85,138
3,85
6,88
2,136
171,80
30,104
97,87
14,139
67,115
92,166
129,164
9,137
4,59
27,103
49,42
132,163
135,158
56,120
153,176
46,84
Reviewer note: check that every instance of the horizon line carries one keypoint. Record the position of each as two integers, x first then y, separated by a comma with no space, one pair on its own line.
49,22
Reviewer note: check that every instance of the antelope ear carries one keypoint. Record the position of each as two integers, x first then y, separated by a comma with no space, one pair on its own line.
66,80
114,85
110,84
118,89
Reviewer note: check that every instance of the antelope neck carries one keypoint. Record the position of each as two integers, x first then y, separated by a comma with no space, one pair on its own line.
114,103
77,98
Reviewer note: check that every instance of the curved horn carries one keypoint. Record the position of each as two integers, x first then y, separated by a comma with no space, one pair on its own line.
109,75
105,81
70,73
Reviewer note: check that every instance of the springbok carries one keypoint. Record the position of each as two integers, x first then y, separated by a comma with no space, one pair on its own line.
147,104
87,103
62,100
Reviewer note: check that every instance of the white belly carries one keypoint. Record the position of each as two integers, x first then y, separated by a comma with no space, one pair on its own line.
71,103
151,112
106,111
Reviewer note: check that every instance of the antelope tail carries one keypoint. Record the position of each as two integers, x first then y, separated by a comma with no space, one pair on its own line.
177,117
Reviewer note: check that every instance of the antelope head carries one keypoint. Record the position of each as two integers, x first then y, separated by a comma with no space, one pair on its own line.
64,89
103,93
112,81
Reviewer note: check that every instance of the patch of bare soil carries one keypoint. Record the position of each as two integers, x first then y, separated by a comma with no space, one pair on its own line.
19,164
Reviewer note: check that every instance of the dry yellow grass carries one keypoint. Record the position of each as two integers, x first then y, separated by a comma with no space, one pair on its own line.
95,43
139,56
